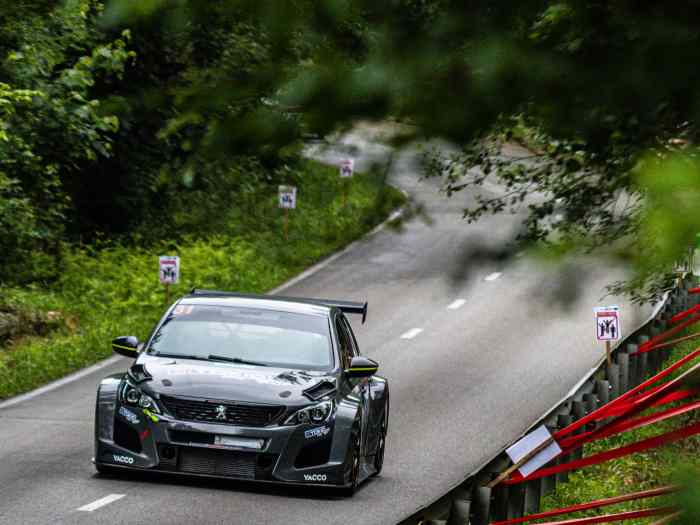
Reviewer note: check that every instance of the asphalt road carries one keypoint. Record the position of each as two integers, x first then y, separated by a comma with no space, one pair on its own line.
475,351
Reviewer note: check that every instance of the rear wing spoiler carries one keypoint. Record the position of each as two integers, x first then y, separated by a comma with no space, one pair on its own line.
348,307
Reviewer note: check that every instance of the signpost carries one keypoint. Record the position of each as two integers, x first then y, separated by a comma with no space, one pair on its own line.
607,322
169,272
347,169
287,201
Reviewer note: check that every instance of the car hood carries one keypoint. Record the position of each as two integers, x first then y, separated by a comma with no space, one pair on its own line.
229,381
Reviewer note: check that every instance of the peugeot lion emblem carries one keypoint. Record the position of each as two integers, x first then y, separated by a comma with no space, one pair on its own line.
221,412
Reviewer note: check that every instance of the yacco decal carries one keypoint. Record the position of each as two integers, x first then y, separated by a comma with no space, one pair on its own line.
129,415
123,459
315,477
316,432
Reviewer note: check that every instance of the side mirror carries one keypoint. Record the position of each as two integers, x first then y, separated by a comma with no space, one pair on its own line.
126,345
362,367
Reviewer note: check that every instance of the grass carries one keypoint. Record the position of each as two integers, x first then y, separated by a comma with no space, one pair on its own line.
113,289
638,472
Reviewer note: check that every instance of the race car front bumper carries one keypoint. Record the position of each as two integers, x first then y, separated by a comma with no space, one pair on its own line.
132,438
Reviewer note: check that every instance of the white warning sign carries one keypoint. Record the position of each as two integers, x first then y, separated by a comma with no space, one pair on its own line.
169,269
347,168
539,439
607,323
288,197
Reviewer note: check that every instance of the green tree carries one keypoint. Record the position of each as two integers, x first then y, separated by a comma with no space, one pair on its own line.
605,83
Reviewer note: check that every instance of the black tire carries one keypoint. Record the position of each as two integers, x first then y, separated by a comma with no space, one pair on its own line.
352,462
381,445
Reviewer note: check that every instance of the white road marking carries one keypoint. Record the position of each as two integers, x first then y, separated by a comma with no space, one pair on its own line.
492,276
411,333
456,304
101,502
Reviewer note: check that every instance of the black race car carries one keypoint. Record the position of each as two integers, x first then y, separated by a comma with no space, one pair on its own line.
247,387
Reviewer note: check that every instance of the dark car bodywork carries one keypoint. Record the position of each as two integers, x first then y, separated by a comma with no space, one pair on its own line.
229,420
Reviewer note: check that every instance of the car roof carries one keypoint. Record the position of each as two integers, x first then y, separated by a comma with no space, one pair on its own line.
266,303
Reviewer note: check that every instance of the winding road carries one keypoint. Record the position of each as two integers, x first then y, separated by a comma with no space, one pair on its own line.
475,350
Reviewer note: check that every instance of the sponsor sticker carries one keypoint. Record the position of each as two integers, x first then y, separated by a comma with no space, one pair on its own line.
182,309
150,415
315,477
123,459
129,415
316,432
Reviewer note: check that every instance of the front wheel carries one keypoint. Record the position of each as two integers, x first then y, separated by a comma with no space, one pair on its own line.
352,462
381,442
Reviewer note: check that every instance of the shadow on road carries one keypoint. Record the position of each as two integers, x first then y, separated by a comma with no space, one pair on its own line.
220,484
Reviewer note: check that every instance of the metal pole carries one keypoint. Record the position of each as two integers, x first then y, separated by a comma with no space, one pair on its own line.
286,224
167,293
608,352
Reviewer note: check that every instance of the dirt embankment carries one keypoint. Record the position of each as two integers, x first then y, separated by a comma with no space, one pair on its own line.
15,324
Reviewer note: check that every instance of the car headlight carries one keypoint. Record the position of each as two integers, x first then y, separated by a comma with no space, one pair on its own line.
318,413
133,396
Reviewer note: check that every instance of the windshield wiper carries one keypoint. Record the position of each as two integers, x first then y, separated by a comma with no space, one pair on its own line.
181,356
235,360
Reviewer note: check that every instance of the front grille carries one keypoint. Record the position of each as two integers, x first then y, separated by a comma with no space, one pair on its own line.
232,413
239,465
231,464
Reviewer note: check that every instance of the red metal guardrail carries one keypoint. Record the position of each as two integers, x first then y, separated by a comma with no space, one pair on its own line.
622,415
599,504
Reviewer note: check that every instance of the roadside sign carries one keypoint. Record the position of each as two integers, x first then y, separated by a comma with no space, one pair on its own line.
534,451
169,269
607,321
288,197
347,168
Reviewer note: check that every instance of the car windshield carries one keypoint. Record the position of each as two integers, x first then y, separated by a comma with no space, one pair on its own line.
245,335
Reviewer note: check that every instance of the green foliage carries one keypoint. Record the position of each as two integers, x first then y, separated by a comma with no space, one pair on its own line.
603,82
113,289
51,129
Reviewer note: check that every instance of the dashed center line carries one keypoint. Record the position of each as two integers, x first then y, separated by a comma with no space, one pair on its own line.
492,276
101,502
456,304
411,333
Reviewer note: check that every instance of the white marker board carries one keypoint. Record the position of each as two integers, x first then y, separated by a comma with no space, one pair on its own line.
169,269
607,323
288,197
530,443
347,168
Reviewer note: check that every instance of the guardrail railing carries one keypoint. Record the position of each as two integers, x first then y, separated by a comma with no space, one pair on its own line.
609,401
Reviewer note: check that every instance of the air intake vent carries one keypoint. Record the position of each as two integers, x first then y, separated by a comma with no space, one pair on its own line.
320,390
126,437
217,462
